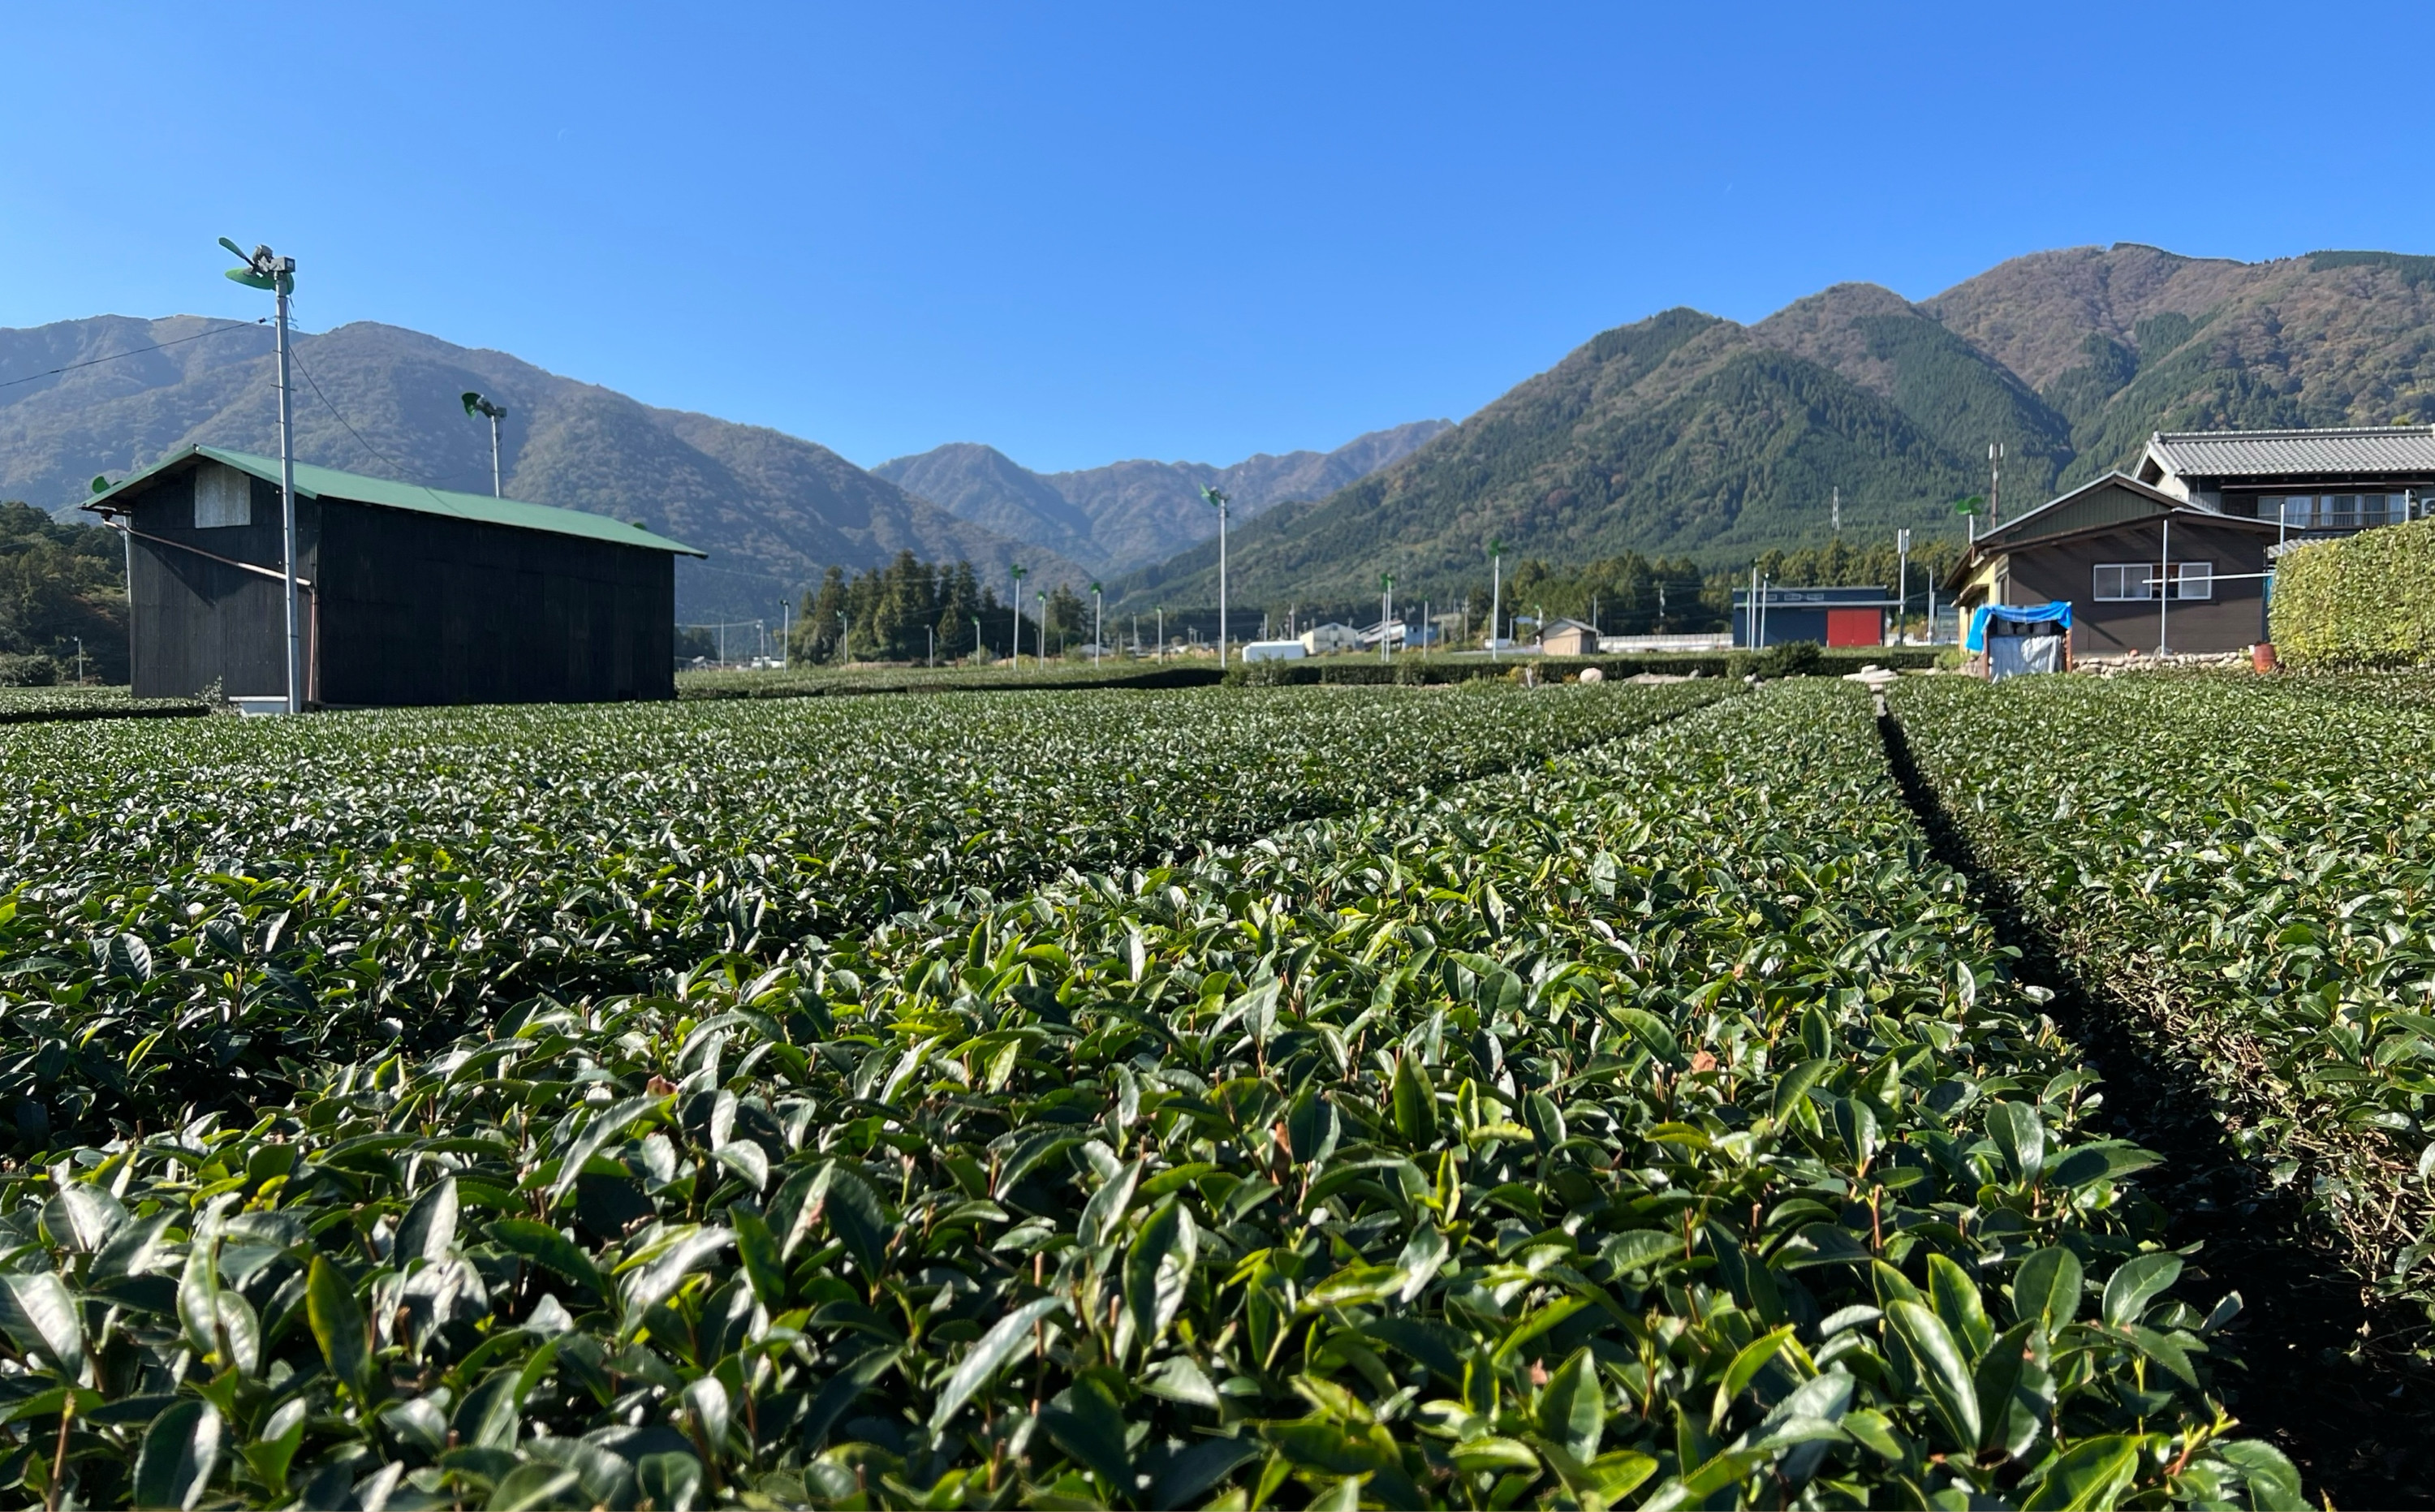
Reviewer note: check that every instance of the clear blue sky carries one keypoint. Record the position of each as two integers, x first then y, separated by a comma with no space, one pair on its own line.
1091,232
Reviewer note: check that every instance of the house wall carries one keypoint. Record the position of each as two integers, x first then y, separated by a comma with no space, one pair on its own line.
425,609
195,622
2065,571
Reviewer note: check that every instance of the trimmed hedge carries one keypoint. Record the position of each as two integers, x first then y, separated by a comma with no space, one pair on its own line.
831,683
2365,601
1799,659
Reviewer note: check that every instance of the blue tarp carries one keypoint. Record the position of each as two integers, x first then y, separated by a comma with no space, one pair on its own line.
2059,615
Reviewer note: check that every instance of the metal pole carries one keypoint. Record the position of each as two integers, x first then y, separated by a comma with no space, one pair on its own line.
496,491
1222,582
786,634
1496,595
2164,587
287,507
844,632
931,659
1015,636
1095,625
1902,571
1386,613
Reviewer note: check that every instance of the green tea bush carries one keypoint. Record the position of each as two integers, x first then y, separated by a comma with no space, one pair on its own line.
2246,862
195,912
1656,1126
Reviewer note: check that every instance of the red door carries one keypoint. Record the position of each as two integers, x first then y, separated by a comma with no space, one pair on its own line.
1856,627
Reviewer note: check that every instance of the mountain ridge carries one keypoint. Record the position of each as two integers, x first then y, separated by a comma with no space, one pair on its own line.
1129,513
773,510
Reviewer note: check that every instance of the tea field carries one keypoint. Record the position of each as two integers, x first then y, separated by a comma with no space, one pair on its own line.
1319,1097
2249,869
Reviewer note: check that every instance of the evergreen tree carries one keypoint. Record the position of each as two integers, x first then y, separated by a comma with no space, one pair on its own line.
960,604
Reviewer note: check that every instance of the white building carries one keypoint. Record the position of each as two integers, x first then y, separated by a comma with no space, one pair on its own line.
1322,639
1272,651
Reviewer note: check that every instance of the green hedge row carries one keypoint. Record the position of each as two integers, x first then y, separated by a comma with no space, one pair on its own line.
2365,601
1799,659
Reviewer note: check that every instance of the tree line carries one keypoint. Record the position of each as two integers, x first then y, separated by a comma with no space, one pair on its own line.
912,610
59,584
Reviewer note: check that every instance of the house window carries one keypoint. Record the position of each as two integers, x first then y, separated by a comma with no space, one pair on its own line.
2122,581
2334,511
223,496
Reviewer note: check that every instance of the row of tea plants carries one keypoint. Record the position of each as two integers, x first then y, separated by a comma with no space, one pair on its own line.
1657,1127
190,912
2248,863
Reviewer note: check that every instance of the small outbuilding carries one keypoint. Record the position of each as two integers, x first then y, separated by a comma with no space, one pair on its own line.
1323,640
1823,616
1568,638
408,594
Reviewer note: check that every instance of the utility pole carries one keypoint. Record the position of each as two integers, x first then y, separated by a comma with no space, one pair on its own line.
1495,593
1095,625
1994,483
1218,501
931,659
978,651
1834,514
1161,633
786,634
266,269
476,405
1385,611
845,634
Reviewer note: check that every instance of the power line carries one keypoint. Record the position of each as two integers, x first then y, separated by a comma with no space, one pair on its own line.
94,362
377,453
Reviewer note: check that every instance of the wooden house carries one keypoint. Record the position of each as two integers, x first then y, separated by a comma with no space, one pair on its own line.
2141,568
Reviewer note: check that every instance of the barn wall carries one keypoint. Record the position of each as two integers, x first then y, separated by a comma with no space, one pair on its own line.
425,609
195,621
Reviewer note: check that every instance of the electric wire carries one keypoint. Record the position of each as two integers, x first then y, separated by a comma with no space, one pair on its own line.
95,362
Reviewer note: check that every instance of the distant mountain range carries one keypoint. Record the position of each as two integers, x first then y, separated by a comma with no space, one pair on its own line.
1681,434
1128,514
772,509
1687,434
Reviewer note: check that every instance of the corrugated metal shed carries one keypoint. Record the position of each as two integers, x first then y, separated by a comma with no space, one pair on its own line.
2364,452
328,482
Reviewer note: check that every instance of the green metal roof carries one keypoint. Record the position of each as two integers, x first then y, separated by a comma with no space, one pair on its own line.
328,482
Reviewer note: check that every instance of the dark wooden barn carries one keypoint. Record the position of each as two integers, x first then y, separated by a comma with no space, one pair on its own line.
410,596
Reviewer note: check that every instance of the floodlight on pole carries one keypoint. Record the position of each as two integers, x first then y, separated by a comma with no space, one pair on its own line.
1496,592
1217,500
476,404
266,269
